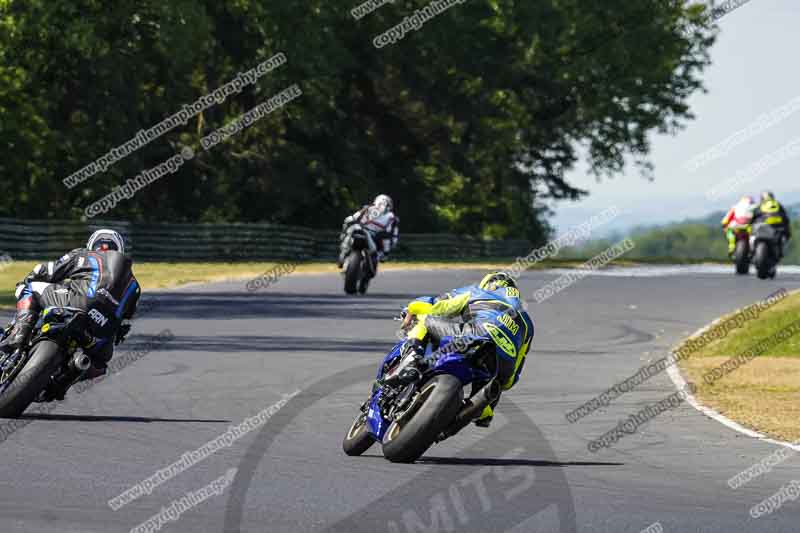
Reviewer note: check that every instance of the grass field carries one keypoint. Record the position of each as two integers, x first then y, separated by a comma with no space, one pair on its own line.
763,394
163,275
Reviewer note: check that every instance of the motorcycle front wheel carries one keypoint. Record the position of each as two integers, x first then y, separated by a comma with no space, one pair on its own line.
357,440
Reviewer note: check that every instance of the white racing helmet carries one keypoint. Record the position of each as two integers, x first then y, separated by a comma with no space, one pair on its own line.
383,203
106,239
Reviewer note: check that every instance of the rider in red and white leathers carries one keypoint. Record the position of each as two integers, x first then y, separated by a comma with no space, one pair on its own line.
381,224
739,217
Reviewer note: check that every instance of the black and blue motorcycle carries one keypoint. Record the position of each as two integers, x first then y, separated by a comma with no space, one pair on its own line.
360,263
52,358
411,408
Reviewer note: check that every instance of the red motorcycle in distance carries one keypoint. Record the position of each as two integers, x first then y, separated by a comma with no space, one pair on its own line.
742,253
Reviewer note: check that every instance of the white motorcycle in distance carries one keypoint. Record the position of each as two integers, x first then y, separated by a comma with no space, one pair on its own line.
359,266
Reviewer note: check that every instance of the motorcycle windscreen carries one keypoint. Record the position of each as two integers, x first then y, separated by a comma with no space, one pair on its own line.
391,356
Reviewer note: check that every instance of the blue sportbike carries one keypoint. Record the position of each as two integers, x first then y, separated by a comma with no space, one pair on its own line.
419,401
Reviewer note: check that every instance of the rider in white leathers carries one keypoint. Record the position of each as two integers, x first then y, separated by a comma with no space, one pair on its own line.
381,224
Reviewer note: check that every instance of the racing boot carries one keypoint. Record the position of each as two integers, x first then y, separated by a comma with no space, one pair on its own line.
370,273
20,332
58,387
363,285
731,236
485,420
344,249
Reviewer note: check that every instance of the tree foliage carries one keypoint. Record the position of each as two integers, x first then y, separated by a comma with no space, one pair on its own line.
469,123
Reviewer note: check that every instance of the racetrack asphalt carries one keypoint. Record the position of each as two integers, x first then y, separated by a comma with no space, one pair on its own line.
236,353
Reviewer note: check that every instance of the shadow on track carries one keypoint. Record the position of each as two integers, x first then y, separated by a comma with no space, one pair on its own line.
226,344
90,418
515,495
502,462
268,304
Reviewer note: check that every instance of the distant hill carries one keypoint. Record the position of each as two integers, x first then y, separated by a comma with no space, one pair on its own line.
692,239
714,218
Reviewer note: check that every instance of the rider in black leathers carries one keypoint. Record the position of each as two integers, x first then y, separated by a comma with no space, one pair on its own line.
771,212
97,279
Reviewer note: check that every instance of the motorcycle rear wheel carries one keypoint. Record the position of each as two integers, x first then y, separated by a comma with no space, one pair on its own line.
352,274
31,380
741,256
432,411
762,260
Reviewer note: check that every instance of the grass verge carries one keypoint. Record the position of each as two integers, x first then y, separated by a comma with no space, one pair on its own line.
165,275
764,393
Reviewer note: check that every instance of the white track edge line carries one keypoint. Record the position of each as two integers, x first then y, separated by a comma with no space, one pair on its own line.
681,384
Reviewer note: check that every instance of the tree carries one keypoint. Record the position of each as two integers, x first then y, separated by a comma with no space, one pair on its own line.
470,122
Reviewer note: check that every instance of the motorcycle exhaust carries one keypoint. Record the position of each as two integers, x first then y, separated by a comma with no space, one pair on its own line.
479,402
81,361
473,409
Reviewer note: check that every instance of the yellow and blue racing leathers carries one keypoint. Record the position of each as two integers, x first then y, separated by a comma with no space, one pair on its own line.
470,311
772,213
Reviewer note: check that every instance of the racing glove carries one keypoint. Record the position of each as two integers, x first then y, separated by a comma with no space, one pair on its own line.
415,346
20,287
122,332
349,221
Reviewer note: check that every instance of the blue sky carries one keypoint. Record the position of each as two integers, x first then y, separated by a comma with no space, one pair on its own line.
754,71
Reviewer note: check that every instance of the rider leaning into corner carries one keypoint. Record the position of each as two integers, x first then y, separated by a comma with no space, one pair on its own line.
771,212
97,279
492,307
739,217
381,224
